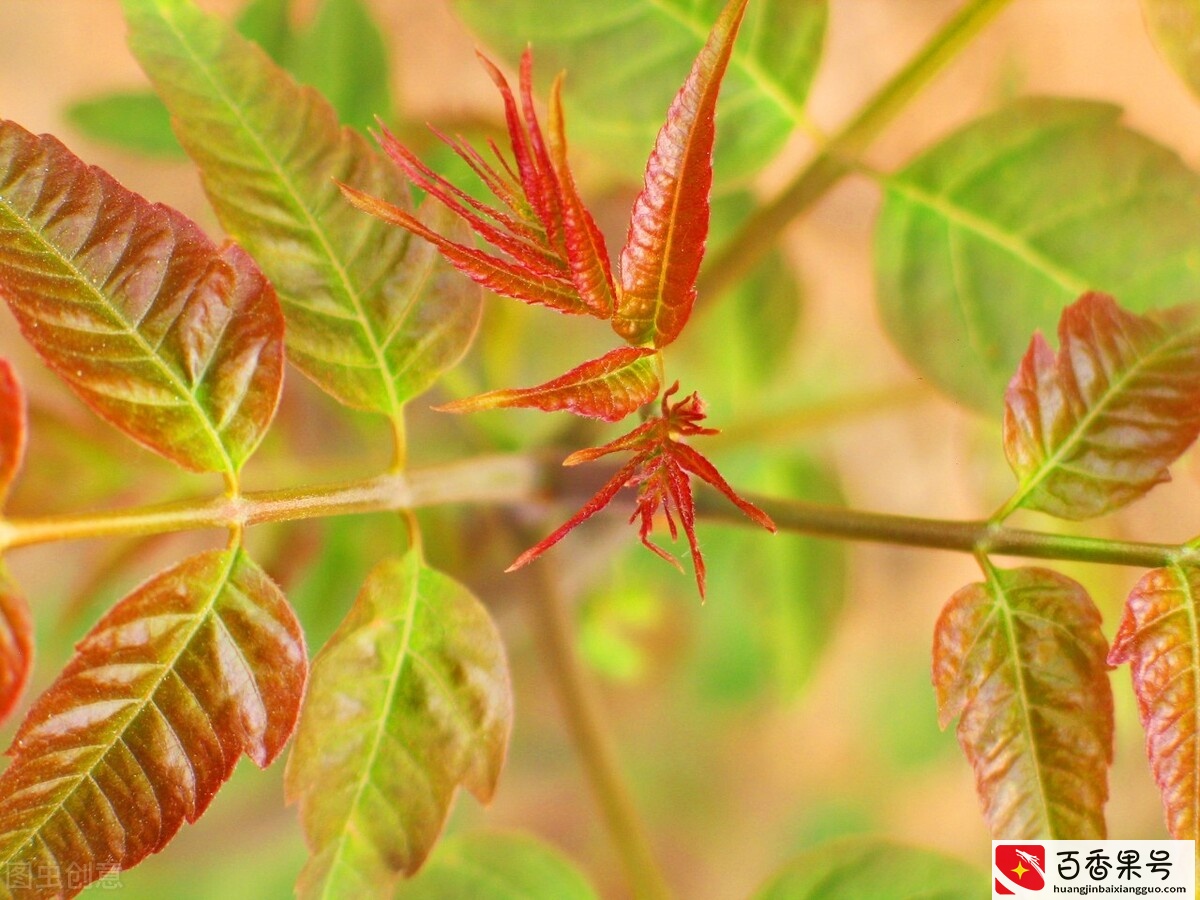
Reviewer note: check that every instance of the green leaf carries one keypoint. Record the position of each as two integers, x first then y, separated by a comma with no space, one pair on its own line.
202,663
1022,659
131,120
409,699
373,315
856,868
343,55
497,866
1174,26
984,238
1096,427
1158,638
624,61
177,342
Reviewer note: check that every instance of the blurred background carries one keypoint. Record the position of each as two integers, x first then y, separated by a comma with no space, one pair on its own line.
792,707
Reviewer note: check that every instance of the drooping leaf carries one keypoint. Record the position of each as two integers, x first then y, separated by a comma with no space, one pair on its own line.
16,644
373,316
1022,659
856,868
497,865
669,223
608,388
1174,25
624,59
177,342
985,237
1158,638
1096,427
202,663
409,699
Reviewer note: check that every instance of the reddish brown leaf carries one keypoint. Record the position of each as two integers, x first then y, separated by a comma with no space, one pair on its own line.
669,224
177,342
16,645
201,664
1096,426
608,388
1022,659
12,427
1158,638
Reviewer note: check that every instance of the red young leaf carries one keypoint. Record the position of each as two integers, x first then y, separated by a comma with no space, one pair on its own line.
12,427
608,388
1158,638
1096,427
16,645
555,253
202,663
175,341
659,469
669,225
1022,659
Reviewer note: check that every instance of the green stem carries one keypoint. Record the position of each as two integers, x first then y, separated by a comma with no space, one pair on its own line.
736,259
495,479
552,627
979,537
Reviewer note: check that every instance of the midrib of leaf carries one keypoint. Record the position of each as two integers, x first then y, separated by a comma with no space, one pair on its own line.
138,709
377,741
1071,282
313,224
1010,634
748,64
1076,435
83,279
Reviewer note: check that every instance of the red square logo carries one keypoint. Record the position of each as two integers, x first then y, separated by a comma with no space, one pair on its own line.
1019,868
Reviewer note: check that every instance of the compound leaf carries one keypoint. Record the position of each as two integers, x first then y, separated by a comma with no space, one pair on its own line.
177,342
497,865
985,237
607,388
623,62
1021,658
202,663
669,223
409,699
373,315
1096,426
1157,637
854,868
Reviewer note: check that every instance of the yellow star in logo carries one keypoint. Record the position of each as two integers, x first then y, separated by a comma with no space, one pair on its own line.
1020,870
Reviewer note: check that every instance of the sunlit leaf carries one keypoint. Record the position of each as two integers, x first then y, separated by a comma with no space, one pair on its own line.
669,223
608,388
199,665
497,865
624,59
984,238
373,315
1158,638
1096,427
1021,658
1175,27
409,699
857,868
16,644
177,342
